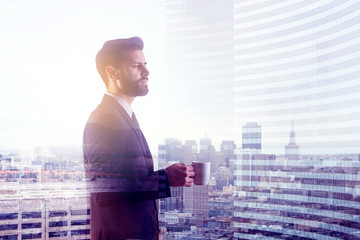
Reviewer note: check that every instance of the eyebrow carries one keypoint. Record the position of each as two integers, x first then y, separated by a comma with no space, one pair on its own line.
139,63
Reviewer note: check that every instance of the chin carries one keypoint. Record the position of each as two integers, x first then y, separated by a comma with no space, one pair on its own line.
145,92
142,93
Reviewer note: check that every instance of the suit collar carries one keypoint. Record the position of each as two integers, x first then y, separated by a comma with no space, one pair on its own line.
122,102
109,100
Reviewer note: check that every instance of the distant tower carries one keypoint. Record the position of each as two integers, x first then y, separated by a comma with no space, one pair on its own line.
171,151
207,153
207,150
251,136
228,149
190,151
292,150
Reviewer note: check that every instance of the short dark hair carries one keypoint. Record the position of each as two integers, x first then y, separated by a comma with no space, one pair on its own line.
113,52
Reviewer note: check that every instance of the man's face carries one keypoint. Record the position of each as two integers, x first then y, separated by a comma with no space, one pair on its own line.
133,74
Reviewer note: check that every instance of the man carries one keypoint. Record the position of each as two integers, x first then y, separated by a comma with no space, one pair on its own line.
123,184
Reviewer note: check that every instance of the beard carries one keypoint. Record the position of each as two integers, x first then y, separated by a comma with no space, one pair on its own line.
133,88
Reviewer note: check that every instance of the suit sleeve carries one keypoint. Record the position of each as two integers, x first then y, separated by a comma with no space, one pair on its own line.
116,166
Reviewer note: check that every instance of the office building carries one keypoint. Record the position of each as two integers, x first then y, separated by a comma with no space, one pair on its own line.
196,200
251,136
170,151
228,149
198,55
299,60
44,212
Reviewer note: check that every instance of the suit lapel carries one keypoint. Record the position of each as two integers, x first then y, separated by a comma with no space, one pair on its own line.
143,142
134,126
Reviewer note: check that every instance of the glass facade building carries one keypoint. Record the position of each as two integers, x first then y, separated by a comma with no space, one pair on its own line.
298,61
198,66
251,136
295,72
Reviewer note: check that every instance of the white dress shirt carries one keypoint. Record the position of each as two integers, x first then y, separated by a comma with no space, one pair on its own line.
122,102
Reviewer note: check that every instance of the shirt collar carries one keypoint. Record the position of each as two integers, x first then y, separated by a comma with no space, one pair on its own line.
122,102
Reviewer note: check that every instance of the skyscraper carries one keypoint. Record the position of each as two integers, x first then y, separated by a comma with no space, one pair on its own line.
292,150
198,46
292,60
299,60
228,149
207,153
251,136
171,151
196,200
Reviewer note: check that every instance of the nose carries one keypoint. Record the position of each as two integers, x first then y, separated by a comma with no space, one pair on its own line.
145,71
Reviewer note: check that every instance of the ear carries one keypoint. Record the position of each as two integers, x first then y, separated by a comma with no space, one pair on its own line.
111,73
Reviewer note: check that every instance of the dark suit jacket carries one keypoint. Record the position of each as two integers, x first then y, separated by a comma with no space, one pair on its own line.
122,183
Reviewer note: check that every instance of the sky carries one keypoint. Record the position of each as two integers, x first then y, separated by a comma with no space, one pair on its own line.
48,80
49,84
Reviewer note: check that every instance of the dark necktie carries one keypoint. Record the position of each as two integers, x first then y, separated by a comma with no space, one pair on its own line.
134,119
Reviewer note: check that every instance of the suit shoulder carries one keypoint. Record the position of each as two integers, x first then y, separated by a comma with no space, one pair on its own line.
107,115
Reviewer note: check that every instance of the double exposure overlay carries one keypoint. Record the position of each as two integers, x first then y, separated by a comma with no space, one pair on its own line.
268,92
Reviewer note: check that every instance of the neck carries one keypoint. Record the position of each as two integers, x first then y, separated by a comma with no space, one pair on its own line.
128,99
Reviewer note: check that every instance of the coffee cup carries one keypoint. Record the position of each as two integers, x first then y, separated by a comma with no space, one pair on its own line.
202,172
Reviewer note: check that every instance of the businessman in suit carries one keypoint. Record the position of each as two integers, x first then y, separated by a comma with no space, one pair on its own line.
122,182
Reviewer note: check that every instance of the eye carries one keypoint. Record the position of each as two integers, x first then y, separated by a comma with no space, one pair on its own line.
139,65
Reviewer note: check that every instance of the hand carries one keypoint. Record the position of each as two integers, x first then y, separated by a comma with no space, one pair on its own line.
180,175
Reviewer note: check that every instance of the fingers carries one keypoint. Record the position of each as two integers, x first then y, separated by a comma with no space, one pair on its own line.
190,171
180,175
188,182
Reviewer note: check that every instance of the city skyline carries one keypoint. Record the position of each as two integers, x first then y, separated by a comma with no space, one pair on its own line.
249,193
